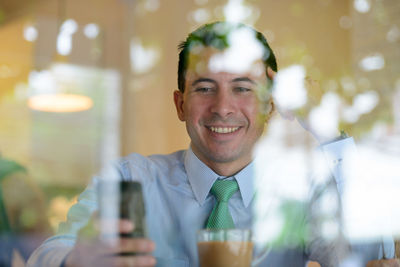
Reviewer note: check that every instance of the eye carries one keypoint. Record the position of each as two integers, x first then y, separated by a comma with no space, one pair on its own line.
203,89
241,89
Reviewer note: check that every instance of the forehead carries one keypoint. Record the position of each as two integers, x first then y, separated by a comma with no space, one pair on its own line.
210,60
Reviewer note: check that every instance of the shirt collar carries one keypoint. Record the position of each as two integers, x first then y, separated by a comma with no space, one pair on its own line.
245,180
201,178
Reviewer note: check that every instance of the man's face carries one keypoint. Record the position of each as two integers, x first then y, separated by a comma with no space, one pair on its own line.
221,109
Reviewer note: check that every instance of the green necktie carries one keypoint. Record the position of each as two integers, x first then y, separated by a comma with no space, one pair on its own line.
220,217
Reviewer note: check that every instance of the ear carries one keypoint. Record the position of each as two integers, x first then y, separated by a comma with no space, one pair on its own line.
272,110
178,100
270,73
269,110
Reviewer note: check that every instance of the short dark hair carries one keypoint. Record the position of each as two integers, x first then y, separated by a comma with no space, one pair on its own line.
216,35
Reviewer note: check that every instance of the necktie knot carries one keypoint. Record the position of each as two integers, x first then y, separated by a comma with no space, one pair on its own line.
223,190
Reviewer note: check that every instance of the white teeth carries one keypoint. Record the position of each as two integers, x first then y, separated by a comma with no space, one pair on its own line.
224,129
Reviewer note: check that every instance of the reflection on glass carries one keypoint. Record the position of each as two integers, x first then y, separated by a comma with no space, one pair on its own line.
64,39
91,30
142,58
200,15
152,5
393,34
362,6
374,62
30,33
289,90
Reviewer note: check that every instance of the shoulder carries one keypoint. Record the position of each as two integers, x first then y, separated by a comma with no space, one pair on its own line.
137,163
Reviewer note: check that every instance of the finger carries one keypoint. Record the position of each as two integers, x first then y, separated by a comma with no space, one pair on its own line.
112,260
126,226
127,246
111,228
137,245
146,260
270,73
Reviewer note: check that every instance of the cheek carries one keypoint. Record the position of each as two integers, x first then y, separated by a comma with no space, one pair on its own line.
255,116
251,107
195,109
191,114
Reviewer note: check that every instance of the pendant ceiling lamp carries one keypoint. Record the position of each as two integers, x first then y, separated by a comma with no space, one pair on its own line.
59,99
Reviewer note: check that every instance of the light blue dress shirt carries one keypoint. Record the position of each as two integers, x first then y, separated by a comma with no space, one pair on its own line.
176,190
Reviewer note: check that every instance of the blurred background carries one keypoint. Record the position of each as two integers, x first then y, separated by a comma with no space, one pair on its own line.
110,69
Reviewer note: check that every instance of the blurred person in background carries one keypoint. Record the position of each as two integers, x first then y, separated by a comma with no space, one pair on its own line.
22,225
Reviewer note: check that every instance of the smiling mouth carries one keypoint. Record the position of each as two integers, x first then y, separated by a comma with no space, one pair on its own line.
223,130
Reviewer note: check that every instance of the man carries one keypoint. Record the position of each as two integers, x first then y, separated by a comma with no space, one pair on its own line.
224,79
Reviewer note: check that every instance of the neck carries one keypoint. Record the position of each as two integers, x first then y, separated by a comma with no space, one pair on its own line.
225,168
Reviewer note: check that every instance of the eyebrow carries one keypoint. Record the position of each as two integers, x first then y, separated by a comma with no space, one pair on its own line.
199,80
243,79
239,79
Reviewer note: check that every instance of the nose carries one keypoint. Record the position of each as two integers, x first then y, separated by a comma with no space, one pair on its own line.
223,104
